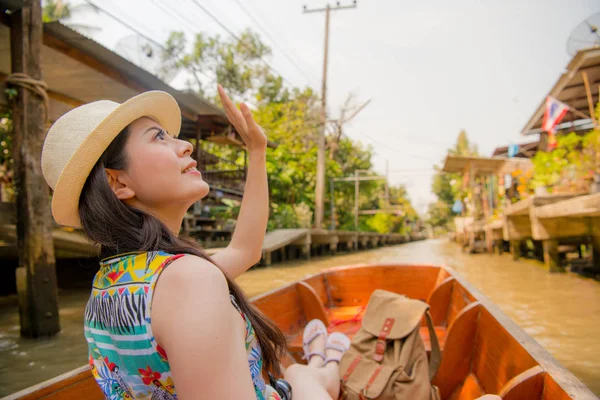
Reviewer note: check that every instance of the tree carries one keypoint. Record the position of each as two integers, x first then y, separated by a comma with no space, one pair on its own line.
290,118
59,10
448,187
237,64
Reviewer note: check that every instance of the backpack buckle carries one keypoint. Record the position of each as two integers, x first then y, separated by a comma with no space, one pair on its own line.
381,339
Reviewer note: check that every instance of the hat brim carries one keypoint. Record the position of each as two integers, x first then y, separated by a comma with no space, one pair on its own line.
158,105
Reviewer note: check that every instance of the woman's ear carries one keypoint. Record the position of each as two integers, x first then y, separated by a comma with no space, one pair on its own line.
117,184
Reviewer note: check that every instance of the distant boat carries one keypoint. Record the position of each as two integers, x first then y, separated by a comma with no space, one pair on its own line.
483,351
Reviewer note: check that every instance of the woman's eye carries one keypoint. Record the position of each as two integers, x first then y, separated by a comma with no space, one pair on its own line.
160,135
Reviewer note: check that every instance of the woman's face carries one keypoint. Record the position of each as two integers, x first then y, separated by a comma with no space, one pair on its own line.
160,169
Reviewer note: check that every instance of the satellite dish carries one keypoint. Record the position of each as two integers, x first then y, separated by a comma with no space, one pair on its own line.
149,56
585,36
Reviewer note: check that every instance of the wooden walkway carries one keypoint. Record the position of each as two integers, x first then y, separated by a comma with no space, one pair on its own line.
283,244
68,243
556,224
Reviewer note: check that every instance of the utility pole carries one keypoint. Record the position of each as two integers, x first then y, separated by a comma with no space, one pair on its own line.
36,274
320,184
387,185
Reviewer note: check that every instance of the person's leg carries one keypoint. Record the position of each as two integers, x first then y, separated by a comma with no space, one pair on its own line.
307,383
315,380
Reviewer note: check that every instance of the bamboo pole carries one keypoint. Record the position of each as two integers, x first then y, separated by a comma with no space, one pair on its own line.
588,92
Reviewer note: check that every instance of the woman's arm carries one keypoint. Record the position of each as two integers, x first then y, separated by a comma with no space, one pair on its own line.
245,248
201,332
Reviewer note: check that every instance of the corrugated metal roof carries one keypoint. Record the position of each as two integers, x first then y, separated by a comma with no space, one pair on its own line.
483,165
570,89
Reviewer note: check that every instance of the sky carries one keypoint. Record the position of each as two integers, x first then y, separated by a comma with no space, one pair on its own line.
430,68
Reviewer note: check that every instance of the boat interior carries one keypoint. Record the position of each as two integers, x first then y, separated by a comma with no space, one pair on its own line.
483,351
479,355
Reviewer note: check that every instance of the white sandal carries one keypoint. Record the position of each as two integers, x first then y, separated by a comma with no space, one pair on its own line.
313,329
337,341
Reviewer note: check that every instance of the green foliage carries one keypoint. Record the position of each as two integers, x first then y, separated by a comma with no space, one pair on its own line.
290,118
6,159
449,187
54,10
236,64
439,214
564,165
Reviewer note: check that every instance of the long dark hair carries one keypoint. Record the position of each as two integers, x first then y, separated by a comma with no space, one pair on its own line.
120,228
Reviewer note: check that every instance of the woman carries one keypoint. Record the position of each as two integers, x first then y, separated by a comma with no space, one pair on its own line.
119,172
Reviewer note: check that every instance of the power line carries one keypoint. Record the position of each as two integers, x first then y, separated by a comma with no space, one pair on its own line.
387,148
222,25
137,31
259,25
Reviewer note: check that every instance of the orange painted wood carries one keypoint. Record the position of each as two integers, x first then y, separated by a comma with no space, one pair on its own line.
354,286
311,303
458,351
470,389
442,276
552,391
498,357
318,283
459,299
74,385
284,308
440,331
341,313
480,351
439,301
527,385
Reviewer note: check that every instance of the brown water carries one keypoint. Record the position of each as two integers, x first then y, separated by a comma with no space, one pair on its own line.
561,311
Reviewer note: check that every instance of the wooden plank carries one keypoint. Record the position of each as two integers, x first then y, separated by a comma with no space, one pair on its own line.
76,384
542,229
311,303
354,286
456,360
459,300
582,206
553,391
319,284
468,390
491,363
551,255
284,307
527,385
439,301
520,207
564,379
282,237
517,227
515,249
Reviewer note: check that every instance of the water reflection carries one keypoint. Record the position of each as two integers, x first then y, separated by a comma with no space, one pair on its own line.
561,311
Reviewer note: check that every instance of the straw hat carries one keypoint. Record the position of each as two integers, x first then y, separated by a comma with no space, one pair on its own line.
77,139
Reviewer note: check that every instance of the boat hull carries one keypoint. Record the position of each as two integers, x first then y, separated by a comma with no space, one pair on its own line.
483,351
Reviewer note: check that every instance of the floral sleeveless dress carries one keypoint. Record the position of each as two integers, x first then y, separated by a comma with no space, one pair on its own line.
123,354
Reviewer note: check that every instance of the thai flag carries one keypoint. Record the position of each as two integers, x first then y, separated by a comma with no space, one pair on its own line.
555,111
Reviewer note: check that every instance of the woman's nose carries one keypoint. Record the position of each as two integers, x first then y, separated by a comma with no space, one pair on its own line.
185,147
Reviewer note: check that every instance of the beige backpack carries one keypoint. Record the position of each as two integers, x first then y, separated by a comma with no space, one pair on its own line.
387,359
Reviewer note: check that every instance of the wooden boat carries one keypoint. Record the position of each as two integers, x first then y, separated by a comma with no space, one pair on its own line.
484,352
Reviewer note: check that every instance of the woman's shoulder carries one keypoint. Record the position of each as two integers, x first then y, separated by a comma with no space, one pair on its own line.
193,273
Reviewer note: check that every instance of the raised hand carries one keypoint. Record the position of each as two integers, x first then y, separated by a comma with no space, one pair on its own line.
244,123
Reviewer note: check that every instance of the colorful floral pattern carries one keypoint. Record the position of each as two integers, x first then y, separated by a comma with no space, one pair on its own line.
124,357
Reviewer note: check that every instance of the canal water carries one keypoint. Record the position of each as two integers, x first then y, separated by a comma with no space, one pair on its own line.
561,311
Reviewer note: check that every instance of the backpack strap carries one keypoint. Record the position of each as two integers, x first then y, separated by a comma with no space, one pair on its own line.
436,354
351,368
